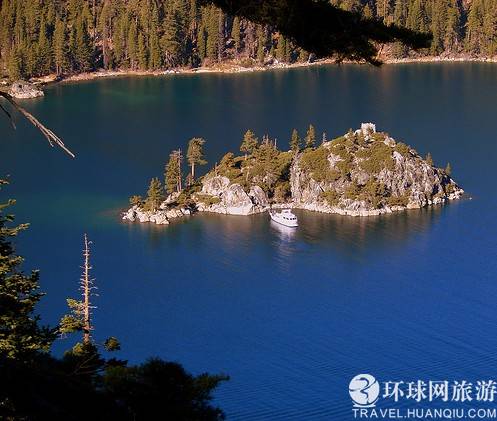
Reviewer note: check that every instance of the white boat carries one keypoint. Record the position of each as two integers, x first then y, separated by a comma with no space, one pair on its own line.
285,217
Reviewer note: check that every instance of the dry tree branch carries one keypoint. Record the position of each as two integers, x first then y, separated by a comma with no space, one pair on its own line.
52,138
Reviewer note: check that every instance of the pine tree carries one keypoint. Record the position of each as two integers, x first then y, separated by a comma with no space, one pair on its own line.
448,169
142,52
213,34
44,56
60,48
281,49
105,24
310,137
120,32
20,335
195,154
82,49
171,40
260,44
249,143
415,17
84,355
236,35
429,159
132,45
452,30
155,195
367,12
201,44
155,53
80,318
438,26
295,141
15,65
173,174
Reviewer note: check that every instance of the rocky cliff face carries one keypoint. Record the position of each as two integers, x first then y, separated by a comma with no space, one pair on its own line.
367,173
230,198
362,173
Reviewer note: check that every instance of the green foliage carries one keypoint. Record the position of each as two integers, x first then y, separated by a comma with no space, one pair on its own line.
295,141
282,191
331,197
173,174
403,149
249,143
75,321
229,167
155,195
266,168
195,154
69,36
21,337
397,201
374,192
448,169
310,137
429,159
353,191
377,157
112,344
207,199
315,161
136,201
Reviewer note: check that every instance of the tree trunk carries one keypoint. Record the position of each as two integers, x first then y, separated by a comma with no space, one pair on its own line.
86,293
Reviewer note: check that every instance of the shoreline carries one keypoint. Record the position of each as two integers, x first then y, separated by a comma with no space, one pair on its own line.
167,216
233,68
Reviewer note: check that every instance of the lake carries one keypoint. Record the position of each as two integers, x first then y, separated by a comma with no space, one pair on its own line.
291,316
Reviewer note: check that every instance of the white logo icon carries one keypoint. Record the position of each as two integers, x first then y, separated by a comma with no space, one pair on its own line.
364,390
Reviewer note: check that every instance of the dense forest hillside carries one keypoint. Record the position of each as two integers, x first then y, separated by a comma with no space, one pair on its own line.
39,37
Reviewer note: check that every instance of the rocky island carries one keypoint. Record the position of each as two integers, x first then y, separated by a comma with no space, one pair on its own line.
24,90
361,173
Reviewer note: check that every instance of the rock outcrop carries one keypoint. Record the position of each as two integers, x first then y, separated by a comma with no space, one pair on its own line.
160,217
367,173
24,90
362,173
219,195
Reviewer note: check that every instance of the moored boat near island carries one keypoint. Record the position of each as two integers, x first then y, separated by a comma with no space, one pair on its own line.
285,217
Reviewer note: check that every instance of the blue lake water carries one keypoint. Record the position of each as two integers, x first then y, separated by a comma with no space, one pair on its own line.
290,316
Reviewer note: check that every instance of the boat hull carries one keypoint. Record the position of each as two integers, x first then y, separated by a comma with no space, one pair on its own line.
281,221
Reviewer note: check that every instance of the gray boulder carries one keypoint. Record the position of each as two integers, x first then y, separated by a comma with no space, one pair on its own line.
24,90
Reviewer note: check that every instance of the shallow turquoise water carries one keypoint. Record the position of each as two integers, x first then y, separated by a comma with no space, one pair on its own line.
291,317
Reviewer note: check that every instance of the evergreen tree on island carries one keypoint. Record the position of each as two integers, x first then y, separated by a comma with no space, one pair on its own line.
249,143
195,155
295,141
155,195
310,137
173,174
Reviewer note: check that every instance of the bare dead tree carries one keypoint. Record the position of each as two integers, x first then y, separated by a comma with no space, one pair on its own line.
87,286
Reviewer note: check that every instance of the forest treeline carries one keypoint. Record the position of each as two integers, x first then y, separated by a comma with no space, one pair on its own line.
40,37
